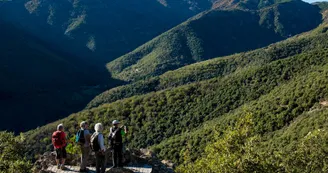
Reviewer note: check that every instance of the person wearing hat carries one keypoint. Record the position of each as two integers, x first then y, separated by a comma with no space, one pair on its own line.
116,141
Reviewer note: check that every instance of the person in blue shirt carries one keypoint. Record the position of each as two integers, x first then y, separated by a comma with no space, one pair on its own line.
84,142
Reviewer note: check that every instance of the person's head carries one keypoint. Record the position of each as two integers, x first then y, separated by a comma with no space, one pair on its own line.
84,125
115,123
60,127
99,127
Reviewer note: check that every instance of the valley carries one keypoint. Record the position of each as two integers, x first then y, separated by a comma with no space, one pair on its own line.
240,87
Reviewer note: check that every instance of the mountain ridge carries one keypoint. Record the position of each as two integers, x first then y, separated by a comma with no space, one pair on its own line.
170,113
196,43
255,111
98,31
213,68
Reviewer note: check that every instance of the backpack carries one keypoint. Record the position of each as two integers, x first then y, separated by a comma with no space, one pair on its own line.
94,144
115,136
79,137
57,140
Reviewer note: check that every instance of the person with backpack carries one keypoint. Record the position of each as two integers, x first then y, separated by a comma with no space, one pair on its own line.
83,139
98,146
59,142
116,142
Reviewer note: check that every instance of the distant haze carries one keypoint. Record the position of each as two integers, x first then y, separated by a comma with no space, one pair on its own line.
311,1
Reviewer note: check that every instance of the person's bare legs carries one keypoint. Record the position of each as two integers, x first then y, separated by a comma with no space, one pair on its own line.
58,163
63,164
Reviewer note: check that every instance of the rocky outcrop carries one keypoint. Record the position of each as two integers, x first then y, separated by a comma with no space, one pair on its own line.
149,157
324,103
132,157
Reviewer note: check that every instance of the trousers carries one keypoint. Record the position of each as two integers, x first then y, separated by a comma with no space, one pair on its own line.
84,157
117,155
100,162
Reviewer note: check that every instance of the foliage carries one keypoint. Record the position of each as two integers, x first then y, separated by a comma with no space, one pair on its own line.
155,117
277,85
217,67
241,150
12,150
72,147
75,23
234,152
310,154
271,112
322,5
226,32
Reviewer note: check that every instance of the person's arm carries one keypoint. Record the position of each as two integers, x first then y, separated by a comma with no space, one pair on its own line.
64,139
101,142
110,134
124,131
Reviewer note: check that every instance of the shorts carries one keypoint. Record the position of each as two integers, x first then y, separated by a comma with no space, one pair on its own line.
61,153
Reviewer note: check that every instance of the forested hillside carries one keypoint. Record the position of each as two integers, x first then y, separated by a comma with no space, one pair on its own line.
215,33
275,93
54,51
40,83
216,67
263,110
99,31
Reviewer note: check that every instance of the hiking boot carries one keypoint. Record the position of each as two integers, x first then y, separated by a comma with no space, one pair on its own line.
63,167
58,166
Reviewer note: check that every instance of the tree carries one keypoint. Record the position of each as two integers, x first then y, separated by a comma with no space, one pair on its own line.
12,151
234,152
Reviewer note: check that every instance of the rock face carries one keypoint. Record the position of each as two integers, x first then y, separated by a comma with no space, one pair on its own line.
324,103
132,157
45,160
149,157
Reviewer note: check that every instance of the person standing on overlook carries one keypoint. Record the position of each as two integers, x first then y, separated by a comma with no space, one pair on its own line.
59,142
83,139
98,146
116,141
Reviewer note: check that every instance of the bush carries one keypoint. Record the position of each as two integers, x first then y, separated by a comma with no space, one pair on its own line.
12,152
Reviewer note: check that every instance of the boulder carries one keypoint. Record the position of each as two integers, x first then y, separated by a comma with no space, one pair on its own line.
324,103
168,163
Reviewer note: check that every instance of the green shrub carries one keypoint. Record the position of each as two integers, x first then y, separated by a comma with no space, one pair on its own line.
12,150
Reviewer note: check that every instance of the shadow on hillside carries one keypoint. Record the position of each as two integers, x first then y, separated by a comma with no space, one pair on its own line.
24,111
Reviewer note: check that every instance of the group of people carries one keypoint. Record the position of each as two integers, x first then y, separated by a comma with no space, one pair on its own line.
91,142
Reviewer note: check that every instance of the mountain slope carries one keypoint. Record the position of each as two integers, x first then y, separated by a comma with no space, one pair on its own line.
216,67
168,119
98,30
53,51
40,84
215,33
271,111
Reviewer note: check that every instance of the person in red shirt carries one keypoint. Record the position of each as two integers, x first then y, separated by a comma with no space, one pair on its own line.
59,142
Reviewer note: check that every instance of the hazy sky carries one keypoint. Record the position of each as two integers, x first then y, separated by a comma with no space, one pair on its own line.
310,1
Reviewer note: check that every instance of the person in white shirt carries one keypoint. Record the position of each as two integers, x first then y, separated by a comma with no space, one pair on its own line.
100,152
